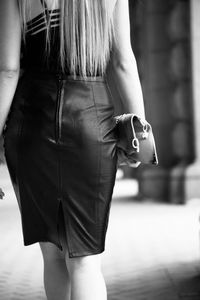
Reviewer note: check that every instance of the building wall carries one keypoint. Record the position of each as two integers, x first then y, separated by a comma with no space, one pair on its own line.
161,42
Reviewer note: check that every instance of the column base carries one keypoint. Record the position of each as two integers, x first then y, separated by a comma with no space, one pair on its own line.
177,184
184,183
192,181
154,184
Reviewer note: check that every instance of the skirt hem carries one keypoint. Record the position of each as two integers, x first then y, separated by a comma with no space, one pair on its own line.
71,254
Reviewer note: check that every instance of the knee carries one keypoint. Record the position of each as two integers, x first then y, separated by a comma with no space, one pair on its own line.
50,252
84,265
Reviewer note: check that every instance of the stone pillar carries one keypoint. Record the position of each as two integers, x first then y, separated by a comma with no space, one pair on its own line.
157,88
180,66
168,98
181,110
192,174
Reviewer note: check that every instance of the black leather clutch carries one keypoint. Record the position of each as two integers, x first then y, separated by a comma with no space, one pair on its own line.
135,140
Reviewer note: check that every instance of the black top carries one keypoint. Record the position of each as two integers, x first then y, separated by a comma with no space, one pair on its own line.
37,54
34,48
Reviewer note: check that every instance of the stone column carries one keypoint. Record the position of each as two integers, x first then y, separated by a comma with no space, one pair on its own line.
168,98
181,110
157,88
192,174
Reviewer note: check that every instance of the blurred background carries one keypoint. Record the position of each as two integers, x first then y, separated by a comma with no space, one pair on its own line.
152,249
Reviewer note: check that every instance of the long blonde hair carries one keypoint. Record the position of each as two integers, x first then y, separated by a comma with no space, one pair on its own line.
86,34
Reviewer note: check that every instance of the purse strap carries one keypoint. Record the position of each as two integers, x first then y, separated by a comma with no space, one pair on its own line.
135,140
145,127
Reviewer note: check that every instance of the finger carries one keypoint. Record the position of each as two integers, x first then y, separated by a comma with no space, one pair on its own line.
135,164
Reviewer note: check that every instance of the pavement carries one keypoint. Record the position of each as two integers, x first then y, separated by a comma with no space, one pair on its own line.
152,249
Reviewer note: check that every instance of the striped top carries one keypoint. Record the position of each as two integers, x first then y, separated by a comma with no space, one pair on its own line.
40,23
34,55
34,49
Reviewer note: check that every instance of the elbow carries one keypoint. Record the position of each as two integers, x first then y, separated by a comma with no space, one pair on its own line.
10,73
124,64
121,65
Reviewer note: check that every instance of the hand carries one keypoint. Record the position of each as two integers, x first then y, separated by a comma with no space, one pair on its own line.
1,194
123,160
134,165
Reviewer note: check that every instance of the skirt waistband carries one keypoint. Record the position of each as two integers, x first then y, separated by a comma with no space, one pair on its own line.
61,76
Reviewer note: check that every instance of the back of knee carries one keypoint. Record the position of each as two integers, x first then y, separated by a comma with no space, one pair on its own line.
51,253
84,264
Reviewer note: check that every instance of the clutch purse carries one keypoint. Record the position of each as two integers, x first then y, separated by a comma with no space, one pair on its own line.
135,140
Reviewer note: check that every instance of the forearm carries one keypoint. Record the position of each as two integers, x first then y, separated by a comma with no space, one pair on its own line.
8,83
128,83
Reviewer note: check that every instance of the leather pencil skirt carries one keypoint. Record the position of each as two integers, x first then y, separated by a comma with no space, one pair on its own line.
60,148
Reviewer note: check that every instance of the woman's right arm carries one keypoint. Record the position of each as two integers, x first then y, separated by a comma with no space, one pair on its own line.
10,43
123,62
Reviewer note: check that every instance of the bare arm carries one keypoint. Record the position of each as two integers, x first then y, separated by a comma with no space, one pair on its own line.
124,63
10,41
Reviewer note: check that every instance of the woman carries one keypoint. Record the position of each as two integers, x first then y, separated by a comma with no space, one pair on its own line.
59,139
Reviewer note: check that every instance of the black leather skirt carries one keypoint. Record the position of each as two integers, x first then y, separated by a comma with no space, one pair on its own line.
60,148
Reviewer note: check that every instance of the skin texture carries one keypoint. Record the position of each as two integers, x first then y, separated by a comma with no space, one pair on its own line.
124,64
78,278
10,41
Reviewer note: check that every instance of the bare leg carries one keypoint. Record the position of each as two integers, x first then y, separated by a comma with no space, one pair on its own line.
87,282
56,276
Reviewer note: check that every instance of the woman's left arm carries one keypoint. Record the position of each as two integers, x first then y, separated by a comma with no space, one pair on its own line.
124,65
10,44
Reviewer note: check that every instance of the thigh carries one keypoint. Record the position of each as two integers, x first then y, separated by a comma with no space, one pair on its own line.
50,251
83,264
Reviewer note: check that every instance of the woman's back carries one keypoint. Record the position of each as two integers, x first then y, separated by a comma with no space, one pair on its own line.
72,36
36,7
35,56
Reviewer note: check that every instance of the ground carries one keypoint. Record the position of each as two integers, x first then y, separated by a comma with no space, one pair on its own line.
152,249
